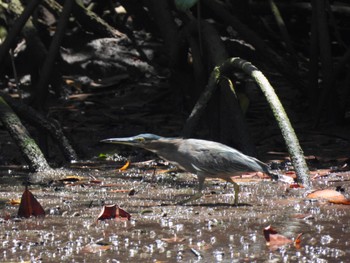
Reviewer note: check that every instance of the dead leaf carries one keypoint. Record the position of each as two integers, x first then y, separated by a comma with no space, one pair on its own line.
14,201
95,248
125,166
297,241
29,206
331,196
295,185
113,212
275,240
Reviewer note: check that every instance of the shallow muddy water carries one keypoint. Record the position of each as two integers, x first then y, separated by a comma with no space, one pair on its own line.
207,230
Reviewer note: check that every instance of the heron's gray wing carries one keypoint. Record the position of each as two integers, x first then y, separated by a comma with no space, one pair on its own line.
221,159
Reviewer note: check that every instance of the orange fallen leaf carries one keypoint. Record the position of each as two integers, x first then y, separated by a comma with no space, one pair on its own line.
331,196
295,185
14,201
29,206
125,166
297,241
113,212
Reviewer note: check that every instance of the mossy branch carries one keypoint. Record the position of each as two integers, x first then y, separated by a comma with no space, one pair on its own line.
29,149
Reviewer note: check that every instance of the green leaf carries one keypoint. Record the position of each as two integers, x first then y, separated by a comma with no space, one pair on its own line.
102,156
184,5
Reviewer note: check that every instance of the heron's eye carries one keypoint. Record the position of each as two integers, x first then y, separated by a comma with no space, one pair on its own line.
140,139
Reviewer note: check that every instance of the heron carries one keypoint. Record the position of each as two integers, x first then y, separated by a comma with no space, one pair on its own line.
206,159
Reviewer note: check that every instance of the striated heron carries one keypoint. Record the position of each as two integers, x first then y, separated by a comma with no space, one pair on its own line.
201,157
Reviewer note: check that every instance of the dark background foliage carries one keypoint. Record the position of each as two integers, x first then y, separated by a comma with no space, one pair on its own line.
97,69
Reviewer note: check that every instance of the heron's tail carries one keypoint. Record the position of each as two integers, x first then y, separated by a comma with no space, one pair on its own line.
275,175
279,177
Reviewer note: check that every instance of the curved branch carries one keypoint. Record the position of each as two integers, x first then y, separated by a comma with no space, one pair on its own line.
287,130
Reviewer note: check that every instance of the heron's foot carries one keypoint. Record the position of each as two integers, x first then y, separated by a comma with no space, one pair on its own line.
236,189
194,197
235,203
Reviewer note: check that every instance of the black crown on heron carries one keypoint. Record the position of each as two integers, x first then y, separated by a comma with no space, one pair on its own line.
200,157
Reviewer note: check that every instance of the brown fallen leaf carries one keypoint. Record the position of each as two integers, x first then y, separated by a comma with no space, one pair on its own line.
29,206
95,248
275,240
113,212
331,196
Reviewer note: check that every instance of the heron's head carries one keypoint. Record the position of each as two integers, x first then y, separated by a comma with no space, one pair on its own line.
141,140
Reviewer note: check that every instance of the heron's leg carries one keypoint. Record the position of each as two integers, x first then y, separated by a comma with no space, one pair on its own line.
194,197
236,188
197,195
201,180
